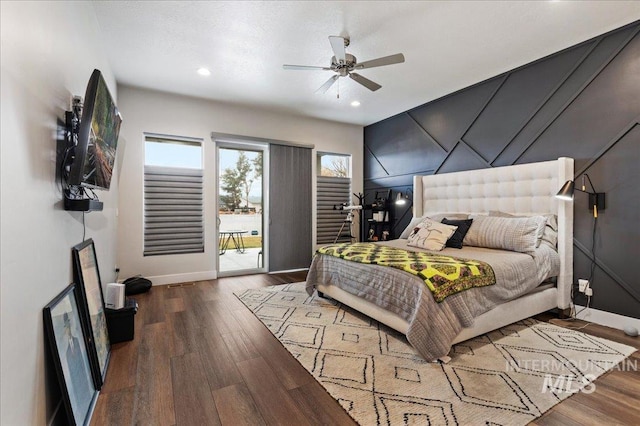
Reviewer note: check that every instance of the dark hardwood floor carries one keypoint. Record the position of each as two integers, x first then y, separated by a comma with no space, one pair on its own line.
199,357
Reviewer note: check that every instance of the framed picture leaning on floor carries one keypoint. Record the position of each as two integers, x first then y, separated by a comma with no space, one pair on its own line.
67,341
91,302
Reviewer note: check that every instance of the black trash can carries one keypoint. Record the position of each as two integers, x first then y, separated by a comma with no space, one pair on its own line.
120,322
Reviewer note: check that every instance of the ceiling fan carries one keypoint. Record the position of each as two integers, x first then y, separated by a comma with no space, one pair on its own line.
343,64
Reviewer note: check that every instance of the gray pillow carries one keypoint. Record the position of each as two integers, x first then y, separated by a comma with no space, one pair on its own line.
437,217
504,233
548,234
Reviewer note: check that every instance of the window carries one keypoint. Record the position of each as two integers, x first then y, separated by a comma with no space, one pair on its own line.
334,165
173,194
333,189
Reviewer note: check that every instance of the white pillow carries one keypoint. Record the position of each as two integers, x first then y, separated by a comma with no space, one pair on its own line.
549,232
430,235
436,217
505,233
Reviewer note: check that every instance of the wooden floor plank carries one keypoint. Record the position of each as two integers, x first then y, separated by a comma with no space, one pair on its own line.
123,364
617,407
114,408
198,344
174,304
623,383
191,392
184,333
240,346
236,407
219,366
153,398
319,406
585,415
222,315
553,418
151,305
288,369
275,404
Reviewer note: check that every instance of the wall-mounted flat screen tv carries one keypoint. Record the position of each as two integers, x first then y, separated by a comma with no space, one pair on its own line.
95,152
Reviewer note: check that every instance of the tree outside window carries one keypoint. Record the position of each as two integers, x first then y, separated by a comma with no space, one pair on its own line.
236,182
334,165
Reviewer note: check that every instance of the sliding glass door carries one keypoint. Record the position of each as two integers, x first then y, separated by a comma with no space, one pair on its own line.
241,199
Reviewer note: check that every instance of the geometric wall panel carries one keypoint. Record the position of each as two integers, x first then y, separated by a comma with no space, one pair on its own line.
420,151
600,53
516,101
449,118
462,158
372,166
583,102
598,113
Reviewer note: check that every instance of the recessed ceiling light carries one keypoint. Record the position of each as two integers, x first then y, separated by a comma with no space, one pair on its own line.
204,71
355,103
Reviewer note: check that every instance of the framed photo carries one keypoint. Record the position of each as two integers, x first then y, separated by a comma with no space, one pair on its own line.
64,332
91,302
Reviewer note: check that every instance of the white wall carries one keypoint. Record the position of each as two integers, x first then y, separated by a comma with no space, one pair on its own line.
48,52
157,112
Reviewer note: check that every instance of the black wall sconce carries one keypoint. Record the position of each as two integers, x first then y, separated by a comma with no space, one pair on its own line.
596,199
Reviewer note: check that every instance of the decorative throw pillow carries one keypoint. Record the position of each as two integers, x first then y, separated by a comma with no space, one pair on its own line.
437,217
505,233
456,239
430,235
548,234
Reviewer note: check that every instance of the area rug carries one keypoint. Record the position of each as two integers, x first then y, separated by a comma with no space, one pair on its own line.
510,376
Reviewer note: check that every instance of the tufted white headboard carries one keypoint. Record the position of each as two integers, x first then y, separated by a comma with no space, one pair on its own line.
521,189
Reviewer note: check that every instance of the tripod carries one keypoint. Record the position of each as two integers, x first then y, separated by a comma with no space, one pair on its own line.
347,220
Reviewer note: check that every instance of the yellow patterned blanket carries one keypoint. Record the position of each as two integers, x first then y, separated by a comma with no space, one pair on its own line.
443,275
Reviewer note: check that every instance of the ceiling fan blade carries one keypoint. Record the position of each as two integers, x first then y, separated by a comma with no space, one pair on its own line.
304,67
337,44
327,84
386,60
371,85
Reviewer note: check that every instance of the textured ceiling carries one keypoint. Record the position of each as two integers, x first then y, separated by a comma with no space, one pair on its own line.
448,45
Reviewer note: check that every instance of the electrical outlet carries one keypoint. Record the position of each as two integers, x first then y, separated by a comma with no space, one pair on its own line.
582,285
588,291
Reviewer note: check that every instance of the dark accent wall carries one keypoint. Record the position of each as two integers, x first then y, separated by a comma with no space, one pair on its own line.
583,102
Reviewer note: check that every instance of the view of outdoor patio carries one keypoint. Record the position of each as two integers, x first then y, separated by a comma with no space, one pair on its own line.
247,235
240,225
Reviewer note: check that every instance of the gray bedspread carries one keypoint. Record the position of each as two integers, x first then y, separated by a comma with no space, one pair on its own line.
433,326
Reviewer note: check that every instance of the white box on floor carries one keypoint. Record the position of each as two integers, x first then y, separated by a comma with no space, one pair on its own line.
115,296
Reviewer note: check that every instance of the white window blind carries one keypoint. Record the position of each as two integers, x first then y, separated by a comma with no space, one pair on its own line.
173,219
173,196
332,191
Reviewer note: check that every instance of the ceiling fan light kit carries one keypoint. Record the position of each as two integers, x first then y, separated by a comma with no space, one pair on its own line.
343,64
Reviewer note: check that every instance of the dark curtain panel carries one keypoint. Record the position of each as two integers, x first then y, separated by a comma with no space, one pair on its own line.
290,242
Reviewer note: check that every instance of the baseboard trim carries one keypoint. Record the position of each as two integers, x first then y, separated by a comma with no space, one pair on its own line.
607,318
183,278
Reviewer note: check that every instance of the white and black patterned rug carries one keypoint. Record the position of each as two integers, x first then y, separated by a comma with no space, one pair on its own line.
509,376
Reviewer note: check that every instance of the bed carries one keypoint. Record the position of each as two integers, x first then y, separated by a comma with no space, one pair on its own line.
523,286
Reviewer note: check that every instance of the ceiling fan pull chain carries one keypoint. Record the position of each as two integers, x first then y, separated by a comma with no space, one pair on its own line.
338,96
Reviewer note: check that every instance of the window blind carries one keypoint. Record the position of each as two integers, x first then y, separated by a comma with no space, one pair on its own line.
173,210
290,203
332,191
